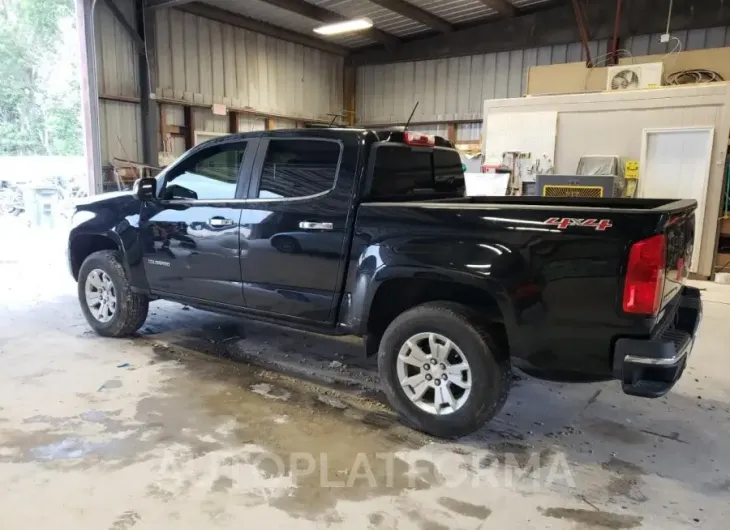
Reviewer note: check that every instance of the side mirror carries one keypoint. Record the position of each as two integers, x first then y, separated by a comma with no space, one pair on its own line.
145,189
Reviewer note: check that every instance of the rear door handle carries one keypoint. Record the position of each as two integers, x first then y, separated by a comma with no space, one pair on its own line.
220,221
310,225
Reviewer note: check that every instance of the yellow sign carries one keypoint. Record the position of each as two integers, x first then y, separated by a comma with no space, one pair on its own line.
631,169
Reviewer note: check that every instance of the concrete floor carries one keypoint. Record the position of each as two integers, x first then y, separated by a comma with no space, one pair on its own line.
155,432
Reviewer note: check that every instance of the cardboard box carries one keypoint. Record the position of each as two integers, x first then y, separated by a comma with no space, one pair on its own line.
725,226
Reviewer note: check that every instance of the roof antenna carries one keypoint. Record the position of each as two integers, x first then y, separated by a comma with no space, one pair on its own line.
411,116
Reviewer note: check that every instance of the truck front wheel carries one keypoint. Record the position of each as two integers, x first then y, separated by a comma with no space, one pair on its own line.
109,305
442,369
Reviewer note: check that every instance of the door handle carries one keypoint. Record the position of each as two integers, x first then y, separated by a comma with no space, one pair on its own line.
309,225
220,221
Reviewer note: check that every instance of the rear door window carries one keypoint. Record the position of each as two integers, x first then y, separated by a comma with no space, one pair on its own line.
299,168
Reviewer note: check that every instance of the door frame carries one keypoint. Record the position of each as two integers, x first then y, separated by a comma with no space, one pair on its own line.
700,214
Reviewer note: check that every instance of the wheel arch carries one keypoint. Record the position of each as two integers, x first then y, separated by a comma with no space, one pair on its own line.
396,294
82,246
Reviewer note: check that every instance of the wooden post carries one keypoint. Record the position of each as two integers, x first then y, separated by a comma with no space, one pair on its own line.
233,122
189,126
349,92
451,133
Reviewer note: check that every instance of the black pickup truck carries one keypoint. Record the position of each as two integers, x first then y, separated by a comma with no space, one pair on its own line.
368,233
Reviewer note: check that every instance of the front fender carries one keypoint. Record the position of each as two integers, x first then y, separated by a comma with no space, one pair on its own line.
117,220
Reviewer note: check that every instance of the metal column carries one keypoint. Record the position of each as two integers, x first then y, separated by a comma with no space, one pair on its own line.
89,94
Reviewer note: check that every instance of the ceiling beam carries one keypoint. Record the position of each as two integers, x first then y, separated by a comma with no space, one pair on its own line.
414,12
159,4
326,16
234,19
554,26
503,7
126,24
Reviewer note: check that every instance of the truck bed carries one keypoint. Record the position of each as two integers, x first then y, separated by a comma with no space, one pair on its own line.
619,204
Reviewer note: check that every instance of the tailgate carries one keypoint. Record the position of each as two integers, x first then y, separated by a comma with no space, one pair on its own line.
679,231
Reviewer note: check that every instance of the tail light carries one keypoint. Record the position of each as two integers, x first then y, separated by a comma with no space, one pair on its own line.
645,276
415,138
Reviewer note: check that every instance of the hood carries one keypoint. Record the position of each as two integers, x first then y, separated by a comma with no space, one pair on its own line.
117,204
112,196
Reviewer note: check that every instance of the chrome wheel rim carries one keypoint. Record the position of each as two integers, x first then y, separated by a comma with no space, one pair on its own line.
434,374
101,295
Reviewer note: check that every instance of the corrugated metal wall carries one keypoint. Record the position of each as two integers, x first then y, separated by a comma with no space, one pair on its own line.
119,124
202,61
117,70
455,88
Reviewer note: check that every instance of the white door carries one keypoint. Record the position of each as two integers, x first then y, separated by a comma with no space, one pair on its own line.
675,164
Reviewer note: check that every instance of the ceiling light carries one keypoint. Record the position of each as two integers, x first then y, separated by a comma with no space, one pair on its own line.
347,26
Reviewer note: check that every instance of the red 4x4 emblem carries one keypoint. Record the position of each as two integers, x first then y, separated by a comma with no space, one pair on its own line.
565,222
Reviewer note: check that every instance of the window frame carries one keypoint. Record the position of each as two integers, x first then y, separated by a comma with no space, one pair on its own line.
244,170
257,172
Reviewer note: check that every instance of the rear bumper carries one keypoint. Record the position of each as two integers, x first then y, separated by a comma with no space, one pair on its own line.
651,367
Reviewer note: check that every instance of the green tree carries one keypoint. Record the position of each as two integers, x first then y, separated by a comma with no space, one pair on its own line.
40,98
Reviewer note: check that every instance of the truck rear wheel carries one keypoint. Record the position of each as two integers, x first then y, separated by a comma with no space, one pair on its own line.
442,369
107,301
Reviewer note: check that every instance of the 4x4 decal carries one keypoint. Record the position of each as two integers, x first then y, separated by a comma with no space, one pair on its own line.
565,222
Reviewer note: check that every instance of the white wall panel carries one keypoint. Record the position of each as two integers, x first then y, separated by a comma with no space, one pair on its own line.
613,123
203,61
455,88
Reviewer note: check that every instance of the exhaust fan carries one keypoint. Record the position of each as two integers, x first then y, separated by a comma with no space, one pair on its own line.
632,76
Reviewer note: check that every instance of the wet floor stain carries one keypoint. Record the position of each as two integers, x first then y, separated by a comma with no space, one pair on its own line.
111,385
424,522
465,508
596,519
69,448
306,457
126,521
626,480
619,432
519,455
270,391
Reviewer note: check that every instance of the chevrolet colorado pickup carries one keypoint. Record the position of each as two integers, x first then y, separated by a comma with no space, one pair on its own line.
368,233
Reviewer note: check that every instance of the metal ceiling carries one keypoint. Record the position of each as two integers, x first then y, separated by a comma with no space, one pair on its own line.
394,20
382,18
456,11
266,12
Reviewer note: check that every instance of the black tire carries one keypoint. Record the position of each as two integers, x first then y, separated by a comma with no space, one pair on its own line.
131,311
489,364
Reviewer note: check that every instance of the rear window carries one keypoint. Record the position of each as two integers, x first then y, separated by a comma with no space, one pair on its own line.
402,170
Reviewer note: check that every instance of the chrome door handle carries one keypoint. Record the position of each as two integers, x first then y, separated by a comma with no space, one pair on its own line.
309,225
220,221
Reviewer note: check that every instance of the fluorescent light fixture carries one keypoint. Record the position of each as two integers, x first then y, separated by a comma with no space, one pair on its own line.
348,26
